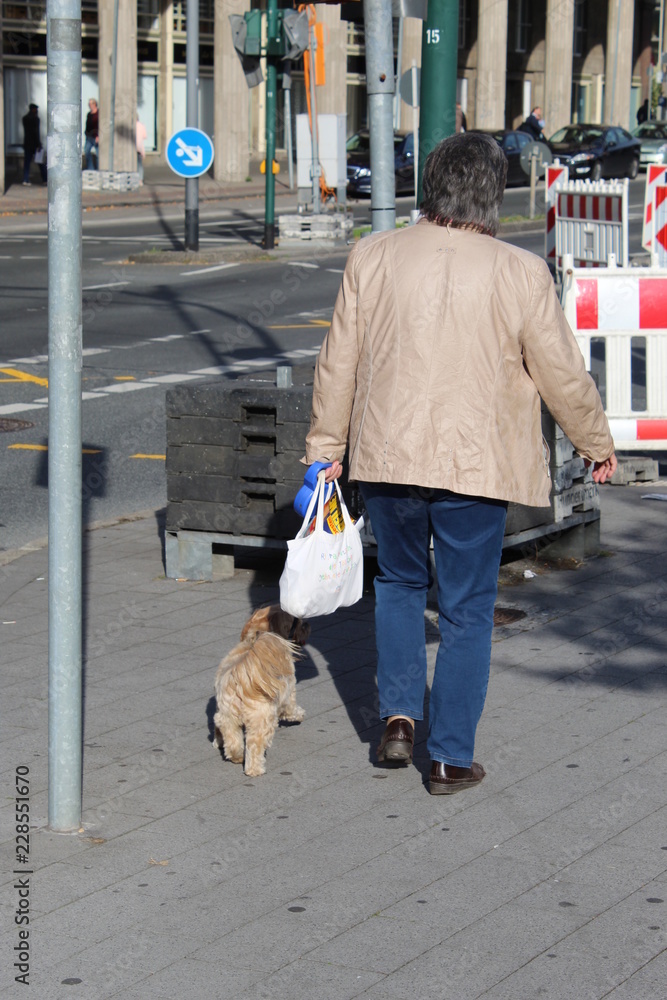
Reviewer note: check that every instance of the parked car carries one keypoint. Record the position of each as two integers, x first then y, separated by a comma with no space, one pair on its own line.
358,148
596,151
511,143
653,137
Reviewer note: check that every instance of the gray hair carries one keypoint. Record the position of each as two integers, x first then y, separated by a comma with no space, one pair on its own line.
463,182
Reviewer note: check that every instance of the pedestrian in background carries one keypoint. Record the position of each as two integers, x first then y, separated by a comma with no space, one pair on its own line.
92,135
534,124
142,135
461,121
32,145
442,341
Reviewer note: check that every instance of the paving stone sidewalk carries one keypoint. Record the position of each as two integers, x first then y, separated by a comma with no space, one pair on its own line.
331,878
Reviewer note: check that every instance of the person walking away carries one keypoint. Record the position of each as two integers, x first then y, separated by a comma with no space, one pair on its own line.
461,121
92,135
142,135
443,340
534,124
32,144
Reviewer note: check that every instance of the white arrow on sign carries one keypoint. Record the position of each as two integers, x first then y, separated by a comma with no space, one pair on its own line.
194,153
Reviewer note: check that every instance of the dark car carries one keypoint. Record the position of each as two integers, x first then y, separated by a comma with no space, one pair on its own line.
512,144
358,148
596,151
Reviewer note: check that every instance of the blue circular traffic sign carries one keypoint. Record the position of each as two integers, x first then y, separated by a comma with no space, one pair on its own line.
189,152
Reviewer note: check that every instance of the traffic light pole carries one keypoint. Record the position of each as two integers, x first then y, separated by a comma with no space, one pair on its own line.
380,87
192,120
63,73
271,86
437,116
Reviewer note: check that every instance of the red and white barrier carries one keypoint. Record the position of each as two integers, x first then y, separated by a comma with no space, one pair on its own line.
556,176
617,305
655,175
660,217
592,222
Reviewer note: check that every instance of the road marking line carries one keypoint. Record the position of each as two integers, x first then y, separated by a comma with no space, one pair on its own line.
38,359
302,326
31,257
45,447
110,284
194,332
18,376
88,352
123,387
208,270
171,336
158,458
125,378
299,263
162,379
335,270
20,407
216,370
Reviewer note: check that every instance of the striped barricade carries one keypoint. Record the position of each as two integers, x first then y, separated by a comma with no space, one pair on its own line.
592,222
555,178
660,216
655,175
619,317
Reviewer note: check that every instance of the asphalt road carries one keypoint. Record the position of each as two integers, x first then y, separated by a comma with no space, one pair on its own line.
148,326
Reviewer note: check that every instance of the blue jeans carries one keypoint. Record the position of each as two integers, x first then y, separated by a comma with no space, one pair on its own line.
467,544
28,157
90,148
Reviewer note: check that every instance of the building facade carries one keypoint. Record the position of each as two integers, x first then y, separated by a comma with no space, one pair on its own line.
581,60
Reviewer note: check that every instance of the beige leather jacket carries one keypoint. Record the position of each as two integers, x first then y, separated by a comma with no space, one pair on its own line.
441,343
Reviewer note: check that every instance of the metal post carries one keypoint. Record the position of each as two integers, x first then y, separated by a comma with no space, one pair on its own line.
315,145
380,90
399,70
114,61
287,92
438,80
63,25
534,156
192,120
271,86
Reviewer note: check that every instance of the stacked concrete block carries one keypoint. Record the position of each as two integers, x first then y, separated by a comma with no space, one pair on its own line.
233,470
233,457
109,180
315,227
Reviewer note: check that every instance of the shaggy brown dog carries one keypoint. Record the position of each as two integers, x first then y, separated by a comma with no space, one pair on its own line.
255,687
273,619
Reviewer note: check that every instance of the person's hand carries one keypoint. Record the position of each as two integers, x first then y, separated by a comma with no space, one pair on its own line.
602,471
333,472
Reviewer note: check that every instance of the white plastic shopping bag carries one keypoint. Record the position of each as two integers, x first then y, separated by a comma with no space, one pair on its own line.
322,571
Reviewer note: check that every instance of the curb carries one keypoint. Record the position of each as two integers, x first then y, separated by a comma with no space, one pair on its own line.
11,555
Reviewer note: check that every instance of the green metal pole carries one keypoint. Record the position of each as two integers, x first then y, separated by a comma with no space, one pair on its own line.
437,114
273,30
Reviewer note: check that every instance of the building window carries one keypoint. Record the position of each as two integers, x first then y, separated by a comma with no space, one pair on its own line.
464,23
523,26
206,16
580,26
148,15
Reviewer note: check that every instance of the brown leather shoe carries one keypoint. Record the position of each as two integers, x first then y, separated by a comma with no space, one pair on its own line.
445,779
397,741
